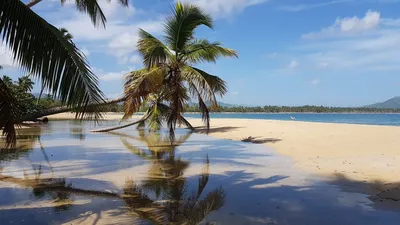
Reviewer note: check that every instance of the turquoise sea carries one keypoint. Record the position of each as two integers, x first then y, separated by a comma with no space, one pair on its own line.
371,119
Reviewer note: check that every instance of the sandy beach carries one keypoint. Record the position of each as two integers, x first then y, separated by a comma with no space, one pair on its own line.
360,152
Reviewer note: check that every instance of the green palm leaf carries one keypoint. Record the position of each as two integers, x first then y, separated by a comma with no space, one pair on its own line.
138,85
41,49
153,51
184,19
204,51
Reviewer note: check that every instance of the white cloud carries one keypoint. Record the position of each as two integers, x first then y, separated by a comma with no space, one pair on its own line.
6,59
234,93
224,8
301,7
120,35
375,50
293,64
315,82
349,26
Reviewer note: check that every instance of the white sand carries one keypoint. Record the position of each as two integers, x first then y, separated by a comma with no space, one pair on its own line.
361,152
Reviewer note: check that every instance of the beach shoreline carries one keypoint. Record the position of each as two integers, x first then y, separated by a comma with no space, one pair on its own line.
360,152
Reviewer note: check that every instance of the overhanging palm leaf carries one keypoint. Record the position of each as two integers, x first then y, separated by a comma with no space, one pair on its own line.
92,8
40,49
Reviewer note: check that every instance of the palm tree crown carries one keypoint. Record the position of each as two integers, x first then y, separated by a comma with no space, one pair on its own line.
169,78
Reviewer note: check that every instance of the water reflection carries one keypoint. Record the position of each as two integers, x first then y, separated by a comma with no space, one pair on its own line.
25,143
165,196
166,182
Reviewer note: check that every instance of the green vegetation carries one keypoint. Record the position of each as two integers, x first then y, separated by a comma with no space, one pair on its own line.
45,53
26,103
170,80
298,109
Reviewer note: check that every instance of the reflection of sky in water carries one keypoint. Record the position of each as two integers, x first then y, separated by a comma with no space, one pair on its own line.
261,187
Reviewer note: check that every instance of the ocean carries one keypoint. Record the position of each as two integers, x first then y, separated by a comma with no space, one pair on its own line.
370,119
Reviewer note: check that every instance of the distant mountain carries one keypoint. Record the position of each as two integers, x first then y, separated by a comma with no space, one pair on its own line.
393,103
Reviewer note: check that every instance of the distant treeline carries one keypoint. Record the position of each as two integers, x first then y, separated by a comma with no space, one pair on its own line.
273,109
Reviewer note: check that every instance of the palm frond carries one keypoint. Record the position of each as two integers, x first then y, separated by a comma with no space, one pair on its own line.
40,48
92,8
138,85
212,202
205,84
203,179
203,51
187,123
177,96
67,35
8,114
153,51
180,26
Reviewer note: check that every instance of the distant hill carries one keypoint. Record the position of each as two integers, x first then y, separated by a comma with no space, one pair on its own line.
222,104
393,103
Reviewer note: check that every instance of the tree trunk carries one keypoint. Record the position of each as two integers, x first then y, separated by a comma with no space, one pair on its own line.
63,109
32,3
108,129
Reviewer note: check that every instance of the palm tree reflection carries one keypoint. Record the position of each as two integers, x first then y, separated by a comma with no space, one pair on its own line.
164,197
175,205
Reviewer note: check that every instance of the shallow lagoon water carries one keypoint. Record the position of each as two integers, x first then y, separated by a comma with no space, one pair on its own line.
62,174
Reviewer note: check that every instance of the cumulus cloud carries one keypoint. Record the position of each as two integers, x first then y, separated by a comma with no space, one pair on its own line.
376,50
120,35
6,59
349,25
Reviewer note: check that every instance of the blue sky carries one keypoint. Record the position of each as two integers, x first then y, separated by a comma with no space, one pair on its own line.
291,52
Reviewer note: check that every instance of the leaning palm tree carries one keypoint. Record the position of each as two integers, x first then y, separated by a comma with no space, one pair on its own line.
169,78
40,49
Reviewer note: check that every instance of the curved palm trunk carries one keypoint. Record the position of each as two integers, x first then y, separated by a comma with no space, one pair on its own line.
136,122
62,109
122,126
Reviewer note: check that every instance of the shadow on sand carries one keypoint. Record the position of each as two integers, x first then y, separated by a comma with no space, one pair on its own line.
385,196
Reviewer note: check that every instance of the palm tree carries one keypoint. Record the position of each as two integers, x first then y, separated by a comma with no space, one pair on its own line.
7,80
170,79
25,83
40,49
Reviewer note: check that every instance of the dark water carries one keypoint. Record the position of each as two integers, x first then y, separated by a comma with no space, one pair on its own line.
371,119
61,174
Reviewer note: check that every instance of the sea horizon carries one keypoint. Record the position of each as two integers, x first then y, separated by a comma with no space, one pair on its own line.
382,119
